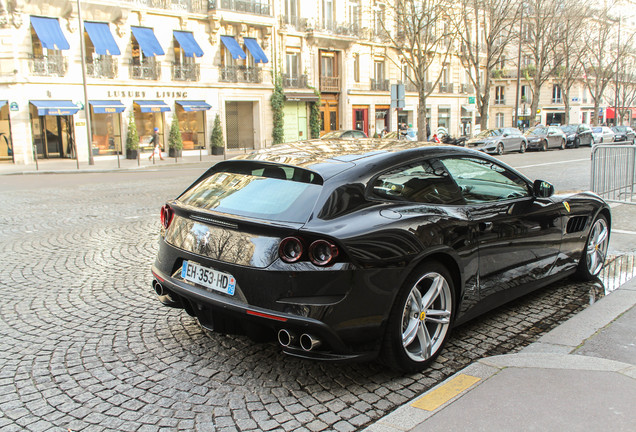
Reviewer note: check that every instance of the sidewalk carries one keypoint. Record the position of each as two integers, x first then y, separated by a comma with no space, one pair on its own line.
109,164
580,376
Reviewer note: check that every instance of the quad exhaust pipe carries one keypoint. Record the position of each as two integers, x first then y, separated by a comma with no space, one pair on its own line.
307,342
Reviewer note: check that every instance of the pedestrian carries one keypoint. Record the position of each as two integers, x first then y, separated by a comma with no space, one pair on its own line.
384,132
435,138
156,145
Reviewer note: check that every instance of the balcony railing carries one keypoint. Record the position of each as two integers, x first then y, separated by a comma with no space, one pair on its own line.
557,100
329,84
49,65
445,87
294,22
192,6
246,74
467,88
186,72
250,6
149,69
500,101
380,85
343,29
101,67
298,81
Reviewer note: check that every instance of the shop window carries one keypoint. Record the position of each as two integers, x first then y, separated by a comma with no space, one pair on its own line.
443,118
106,133
191,125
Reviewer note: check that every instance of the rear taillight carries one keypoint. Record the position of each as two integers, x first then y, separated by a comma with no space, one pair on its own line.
322,252
290,249
167,214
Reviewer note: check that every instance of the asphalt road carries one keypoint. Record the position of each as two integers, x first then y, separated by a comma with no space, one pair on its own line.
85,345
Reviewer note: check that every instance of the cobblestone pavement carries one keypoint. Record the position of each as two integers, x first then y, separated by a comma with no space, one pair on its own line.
85,345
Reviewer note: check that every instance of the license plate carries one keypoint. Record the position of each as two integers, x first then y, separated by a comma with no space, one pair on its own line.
209,278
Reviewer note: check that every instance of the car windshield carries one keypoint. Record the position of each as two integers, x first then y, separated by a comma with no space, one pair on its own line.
538,130
487,133
263,191
597,130
620,128
568,129
334,134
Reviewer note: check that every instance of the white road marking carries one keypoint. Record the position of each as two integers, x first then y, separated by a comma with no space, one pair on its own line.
623,232
552,163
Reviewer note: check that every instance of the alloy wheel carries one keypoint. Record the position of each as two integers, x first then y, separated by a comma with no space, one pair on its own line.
426,317
597,246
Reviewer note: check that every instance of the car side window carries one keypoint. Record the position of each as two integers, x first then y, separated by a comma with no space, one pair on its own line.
482,181
419,182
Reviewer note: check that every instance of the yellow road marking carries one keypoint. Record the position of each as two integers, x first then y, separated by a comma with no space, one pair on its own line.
436,398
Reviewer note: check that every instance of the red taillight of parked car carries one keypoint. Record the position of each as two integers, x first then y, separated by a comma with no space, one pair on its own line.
167,214
290,249
322,252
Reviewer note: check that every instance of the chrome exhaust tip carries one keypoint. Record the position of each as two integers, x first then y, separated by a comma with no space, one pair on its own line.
285,337
309,342
158,288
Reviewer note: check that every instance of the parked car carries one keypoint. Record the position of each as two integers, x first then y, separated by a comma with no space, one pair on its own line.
545,137
602,134
624,133
577,135
351,249
339,134
499,141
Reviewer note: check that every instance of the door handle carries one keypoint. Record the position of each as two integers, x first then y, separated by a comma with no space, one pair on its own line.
485,226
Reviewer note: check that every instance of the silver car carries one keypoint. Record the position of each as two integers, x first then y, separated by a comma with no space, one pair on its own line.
602,135
499,141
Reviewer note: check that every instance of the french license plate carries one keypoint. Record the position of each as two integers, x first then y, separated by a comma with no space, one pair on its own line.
212,279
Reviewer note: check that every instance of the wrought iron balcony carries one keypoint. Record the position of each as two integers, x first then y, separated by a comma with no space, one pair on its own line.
246,74
149,69
467,88
329,84
557,100
380,85
344,29
250,6
101,67
193,6
445,87
298,81
500,101
294,22
186,72
49,65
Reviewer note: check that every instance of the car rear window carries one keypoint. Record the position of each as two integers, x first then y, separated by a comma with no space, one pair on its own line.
258,190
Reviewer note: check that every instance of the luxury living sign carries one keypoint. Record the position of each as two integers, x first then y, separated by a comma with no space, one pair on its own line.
143,94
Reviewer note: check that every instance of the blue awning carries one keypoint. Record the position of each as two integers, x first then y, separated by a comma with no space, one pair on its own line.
232,45
152,106
255,49
147,41
55,107
194,105
50,33
189,45
107,106
102,38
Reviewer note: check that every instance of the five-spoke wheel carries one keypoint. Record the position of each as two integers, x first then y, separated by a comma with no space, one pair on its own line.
595,251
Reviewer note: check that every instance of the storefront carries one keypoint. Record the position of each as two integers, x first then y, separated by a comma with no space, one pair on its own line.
106,127
329,113
467,120
52,128
361,118
191,117
148,116
6,142
382,118
239,124
443,117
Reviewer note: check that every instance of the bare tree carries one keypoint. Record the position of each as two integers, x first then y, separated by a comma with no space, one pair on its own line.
484,29
625,80
570,48
541,38
599,60
420,32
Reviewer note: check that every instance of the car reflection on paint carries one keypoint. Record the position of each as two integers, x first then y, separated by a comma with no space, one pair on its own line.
346,250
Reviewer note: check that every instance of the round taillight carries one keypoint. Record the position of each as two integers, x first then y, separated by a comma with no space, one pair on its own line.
322,252
166,216
290,249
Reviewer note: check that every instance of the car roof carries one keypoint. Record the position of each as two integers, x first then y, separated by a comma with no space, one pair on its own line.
330,157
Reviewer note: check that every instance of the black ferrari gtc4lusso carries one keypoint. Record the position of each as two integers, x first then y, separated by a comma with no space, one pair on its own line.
346,250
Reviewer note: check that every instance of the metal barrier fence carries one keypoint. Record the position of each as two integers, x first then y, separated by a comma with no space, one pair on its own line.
614,172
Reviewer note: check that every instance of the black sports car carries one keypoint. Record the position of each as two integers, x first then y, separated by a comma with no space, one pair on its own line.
347,250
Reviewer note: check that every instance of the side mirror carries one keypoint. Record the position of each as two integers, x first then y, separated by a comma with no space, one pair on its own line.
505,135
542,189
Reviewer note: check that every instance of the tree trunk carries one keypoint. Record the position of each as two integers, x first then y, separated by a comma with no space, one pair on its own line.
534,107
421,114
566,102
595,113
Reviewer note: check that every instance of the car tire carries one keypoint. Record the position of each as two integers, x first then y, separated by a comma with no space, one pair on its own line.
500,149
544,146
562,146
577,143
522,147
595,251
420,320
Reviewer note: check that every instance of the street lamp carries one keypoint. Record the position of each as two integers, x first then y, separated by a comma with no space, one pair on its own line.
87,108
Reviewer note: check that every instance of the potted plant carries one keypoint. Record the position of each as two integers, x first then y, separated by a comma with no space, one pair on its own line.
175,144
132,138
216,139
